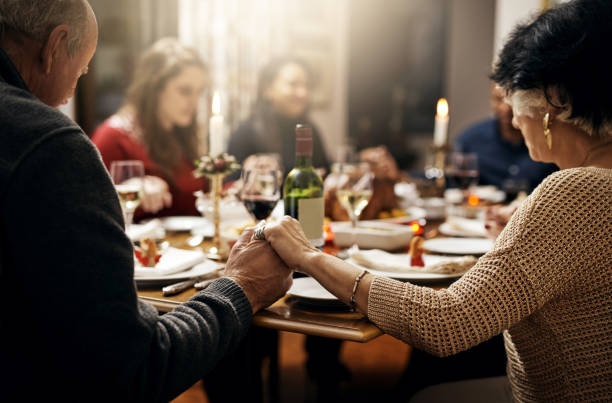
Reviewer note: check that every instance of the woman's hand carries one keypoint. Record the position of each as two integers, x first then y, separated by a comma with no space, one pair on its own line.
156,195
290,243
496,218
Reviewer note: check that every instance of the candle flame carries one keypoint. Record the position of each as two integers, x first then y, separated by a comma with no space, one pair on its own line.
216,104
442,107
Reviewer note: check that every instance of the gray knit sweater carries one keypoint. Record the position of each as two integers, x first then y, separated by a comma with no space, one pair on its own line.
71,326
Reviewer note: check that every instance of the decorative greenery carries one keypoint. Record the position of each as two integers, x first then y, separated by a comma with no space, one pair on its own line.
222,164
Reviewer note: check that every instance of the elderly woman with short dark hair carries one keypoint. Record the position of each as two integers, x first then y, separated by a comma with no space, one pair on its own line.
547,283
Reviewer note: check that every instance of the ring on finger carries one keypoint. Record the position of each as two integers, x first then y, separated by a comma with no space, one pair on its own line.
259,233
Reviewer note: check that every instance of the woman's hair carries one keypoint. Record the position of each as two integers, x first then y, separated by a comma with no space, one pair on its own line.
270,71
563,59
263,112
166,59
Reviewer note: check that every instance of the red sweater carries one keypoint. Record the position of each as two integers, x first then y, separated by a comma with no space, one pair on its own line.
116,141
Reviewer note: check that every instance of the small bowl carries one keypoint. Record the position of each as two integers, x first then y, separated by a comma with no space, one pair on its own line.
372,235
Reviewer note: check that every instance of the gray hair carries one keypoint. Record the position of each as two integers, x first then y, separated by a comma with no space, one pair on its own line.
37,18
533,103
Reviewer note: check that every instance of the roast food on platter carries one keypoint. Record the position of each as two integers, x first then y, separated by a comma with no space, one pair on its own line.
384,203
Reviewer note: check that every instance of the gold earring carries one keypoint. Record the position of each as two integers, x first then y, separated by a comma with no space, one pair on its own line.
547,132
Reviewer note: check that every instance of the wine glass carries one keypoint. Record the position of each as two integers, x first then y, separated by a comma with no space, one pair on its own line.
354,190
128,177
260,191
462,170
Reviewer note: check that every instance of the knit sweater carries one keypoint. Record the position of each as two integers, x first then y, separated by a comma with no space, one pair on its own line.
547,284
71,325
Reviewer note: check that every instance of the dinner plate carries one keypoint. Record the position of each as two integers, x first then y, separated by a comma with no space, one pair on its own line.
202,269
414,276
459,246
184,223
311,294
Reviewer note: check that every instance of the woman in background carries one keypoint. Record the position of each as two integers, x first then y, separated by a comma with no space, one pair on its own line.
283,100
157,125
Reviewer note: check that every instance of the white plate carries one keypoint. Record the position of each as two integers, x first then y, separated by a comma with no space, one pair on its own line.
459,246
183,223
414,276
309,288
203,269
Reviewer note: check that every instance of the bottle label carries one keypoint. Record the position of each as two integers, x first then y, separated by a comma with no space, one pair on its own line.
310,216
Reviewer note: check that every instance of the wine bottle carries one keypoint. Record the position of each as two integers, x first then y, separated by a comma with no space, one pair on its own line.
303,189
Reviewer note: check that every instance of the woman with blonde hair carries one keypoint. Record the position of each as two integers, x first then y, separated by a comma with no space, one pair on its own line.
547,282
157,125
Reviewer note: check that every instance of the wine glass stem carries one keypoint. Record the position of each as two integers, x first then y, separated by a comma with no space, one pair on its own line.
129,218
354,231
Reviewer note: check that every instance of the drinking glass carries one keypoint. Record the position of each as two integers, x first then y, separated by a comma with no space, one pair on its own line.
260,191
128,177
462,170
354,190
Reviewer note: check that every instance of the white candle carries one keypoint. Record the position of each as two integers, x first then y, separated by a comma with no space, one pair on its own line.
216,128
441,126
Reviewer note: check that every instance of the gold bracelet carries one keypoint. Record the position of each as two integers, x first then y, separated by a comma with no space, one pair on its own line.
355,285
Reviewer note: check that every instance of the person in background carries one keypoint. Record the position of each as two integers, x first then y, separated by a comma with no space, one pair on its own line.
71,325
283,100
503,158
547,282
157,125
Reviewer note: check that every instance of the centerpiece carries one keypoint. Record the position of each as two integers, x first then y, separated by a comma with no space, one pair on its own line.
215,169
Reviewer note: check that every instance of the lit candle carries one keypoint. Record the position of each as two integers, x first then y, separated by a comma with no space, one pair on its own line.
441,126
215,128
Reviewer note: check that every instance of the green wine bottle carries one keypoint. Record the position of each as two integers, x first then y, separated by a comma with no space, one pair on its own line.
303,189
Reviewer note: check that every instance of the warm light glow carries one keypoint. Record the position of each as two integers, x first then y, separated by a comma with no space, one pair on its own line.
473,200
216,104
416,228
442,108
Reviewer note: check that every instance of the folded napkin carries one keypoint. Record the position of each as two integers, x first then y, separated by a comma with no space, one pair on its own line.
469,227
377,259
172,261
152,229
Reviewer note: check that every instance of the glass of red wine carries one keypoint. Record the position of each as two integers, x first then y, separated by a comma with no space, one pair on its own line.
260,191
462,170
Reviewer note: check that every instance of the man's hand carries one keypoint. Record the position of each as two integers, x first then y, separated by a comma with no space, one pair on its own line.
255,267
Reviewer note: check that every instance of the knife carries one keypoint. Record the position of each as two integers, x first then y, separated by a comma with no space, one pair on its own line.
176,288
199,283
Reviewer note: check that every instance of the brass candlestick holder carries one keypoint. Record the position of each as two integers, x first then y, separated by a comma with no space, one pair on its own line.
215,169
439,161
217,251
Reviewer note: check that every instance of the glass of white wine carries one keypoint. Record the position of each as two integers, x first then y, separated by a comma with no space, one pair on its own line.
128,177
354,190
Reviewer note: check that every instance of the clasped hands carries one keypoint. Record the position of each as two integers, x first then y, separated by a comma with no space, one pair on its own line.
263,268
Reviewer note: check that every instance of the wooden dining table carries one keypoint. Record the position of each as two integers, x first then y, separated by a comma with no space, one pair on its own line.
287,314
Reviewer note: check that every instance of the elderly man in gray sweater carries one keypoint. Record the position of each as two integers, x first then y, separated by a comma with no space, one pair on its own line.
71,326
